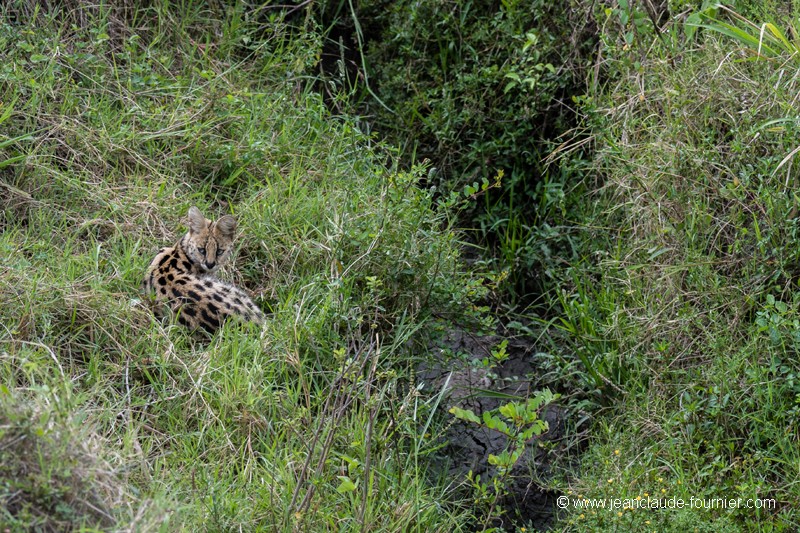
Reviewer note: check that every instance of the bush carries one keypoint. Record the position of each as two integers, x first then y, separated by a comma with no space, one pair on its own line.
477,88
683,313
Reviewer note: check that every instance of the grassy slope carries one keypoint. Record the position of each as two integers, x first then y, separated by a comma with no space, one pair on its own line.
688,322
129,117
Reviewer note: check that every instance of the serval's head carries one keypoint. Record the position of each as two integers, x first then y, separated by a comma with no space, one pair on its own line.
208,244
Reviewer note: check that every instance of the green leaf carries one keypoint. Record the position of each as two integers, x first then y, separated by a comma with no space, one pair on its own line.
778,34
11,160
753,42
657,253
537,428
8,142
503,460
8,109
541,398
346,485
509,410
465,414
493,422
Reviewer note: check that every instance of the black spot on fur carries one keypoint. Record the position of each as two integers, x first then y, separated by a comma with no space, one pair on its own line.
163,290
174,262
213,308
208,284
217,297
176,293
182,319
187,265
162,281
190,311
163,260
180,281
193,295
170,277
209,320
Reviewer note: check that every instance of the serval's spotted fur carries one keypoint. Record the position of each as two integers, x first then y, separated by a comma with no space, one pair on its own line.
181,277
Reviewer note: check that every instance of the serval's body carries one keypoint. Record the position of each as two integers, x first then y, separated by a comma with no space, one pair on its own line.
181,277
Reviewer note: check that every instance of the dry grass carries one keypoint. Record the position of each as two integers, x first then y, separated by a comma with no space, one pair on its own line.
126,116
687,313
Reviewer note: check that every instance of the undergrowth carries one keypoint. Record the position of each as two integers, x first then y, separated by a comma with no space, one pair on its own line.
481,90
681,318
117,118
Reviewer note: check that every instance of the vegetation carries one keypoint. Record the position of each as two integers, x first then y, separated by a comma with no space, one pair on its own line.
623,176
115,121
477,89
663,241
682,312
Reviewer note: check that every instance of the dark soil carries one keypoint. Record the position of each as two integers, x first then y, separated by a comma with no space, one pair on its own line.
470,387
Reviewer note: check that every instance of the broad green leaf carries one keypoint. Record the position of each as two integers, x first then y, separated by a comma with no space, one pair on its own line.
465,414
346,485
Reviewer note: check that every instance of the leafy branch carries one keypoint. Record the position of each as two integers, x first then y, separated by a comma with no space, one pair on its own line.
520,423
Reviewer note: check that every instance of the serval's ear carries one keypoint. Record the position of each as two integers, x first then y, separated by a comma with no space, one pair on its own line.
197,222
226,226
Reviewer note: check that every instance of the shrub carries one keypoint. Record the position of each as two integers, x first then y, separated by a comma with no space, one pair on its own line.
684,306
477,88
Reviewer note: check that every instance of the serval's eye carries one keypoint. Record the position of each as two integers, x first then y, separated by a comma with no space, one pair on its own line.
202,251
219,252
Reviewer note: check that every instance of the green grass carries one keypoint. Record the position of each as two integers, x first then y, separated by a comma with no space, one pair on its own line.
115,121
682,314
667,235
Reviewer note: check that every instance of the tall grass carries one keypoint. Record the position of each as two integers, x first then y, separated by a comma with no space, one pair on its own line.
681,313
115,119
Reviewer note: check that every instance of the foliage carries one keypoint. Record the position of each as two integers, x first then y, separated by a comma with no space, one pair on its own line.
474,87
520,423
117,118
680,314
663,236
766,39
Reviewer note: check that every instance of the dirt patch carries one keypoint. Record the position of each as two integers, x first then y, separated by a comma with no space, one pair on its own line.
471,386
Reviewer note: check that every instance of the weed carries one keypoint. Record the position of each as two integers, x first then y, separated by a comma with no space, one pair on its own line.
520,423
